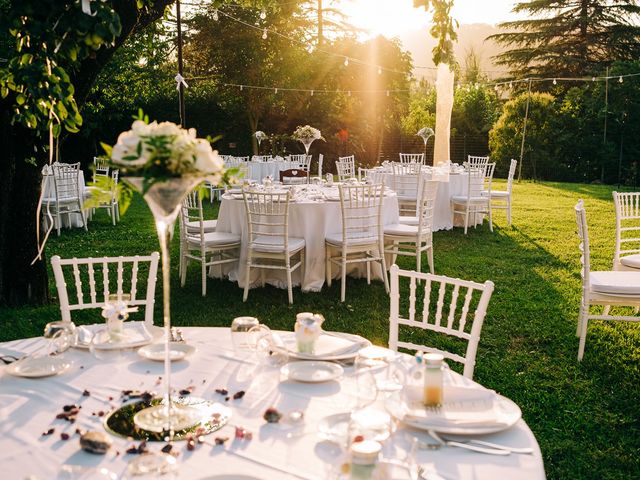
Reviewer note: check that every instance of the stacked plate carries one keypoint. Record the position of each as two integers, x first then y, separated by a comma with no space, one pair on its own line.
330,346
465,411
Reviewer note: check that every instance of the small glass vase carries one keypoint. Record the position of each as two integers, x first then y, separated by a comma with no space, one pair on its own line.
164,199
307,144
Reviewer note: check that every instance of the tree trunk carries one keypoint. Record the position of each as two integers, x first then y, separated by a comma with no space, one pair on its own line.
20,178
20,282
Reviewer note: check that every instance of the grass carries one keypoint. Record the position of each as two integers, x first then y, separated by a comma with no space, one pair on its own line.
584,415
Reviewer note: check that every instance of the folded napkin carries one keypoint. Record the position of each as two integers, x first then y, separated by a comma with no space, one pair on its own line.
328,345
462,407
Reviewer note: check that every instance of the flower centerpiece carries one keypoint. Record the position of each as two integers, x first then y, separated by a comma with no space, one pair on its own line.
307,135
165,162
260,136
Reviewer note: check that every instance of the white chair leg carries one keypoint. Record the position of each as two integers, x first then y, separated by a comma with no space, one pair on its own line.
384,270
509,210
490,218
247,278
289,286
430,259
203,275
327,265
466,219
583,338
418,256
343,268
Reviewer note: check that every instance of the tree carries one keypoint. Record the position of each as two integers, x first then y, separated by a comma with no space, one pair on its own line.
541,146
54,53
570,37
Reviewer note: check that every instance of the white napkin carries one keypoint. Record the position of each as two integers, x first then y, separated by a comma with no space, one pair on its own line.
463,407
327,345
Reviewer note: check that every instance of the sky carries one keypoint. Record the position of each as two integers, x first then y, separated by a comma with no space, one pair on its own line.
395,17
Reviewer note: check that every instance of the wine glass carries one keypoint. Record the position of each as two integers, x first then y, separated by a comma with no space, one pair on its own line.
268,347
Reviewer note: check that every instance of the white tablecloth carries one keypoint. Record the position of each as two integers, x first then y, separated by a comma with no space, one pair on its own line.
443,213
260,170
28,407
311,220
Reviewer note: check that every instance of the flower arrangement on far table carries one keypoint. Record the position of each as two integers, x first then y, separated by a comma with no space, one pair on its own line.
307,135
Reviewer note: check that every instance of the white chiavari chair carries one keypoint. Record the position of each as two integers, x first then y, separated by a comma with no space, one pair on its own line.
201,244
361,237
262,158
475,202
86,283
604,288
501,199
438,308
67,198
476,162
100,168
346,167
412,158
406,181
627,250
300,162
412,240
270,246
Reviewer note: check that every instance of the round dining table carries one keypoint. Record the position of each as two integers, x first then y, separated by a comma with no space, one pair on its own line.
34,444
312,215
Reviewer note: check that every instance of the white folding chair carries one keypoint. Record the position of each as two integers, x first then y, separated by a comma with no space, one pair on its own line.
475,202
441,305
270,246
346,167
361,238
501,199
412,240
627,250
412,158
201,243
86,283
67,199
606,288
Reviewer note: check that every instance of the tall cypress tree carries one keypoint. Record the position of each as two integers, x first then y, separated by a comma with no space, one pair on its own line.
570,37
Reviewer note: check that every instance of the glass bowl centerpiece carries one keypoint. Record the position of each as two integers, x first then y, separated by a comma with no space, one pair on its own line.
307,135
164,162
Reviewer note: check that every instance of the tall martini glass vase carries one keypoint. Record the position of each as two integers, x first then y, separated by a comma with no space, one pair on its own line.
164,199
307,144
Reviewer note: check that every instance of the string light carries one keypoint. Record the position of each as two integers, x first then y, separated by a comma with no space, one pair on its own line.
387,93
555,82
349,93
593,79
379,70
312,93
346,61
264,34
241,87
496,88
275,90
215,15
263,15
620,79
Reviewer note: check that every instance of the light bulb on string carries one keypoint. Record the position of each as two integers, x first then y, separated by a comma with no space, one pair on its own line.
263,14
264,34
346,61
349,93
387,93
555,82
215,15
312,93
593,79
275,90
379,70
621,80
496,87
241,87
510,84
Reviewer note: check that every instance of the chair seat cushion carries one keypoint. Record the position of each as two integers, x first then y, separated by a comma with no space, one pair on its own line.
498,193
615,283
336,239
408,220
632,261
215,239
464,198
209,226
401,229
268,244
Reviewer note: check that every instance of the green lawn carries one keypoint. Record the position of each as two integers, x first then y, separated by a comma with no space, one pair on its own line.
585,416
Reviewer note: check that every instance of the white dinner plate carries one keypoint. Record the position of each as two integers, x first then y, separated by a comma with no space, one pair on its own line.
37,367
136,335
312,372
471,411
177,351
